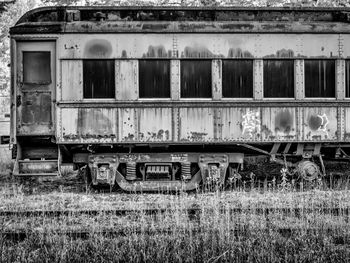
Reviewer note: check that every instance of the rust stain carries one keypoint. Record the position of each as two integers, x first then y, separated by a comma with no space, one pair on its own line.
197,136
157,52
314,122
124,54
130,137
239,53
347,136
282,53
36,108
284,121
197,52
98,48
94,123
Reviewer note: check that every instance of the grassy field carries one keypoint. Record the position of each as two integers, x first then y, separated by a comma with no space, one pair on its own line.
218,233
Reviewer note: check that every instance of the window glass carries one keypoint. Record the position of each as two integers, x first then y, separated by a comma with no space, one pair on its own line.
319,78
196,79
347,78
36,67
99,79
278,78
237,78
154,78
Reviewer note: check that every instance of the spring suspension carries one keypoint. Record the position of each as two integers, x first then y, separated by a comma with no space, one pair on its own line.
131,171
186,171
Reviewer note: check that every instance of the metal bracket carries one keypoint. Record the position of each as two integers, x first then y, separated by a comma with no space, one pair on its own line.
103,168
213,167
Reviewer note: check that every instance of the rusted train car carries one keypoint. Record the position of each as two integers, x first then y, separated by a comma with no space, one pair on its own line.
163,97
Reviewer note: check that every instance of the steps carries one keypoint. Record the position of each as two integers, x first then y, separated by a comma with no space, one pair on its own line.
36,168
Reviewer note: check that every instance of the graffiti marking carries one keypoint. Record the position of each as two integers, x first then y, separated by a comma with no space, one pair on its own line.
324,123
251,123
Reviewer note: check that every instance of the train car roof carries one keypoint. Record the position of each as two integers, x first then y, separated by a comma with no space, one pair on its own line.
162,19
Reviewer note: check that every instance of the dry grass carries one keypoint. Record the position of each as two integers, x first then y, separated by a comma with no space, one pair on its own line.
215,235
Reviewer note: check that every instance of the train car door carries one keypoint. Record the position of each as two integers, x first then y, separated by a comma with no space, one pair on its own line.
36,81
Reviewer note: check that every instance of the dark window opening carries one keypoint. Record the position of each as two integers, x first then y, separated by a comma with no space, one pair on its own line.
36,67
347,78
278,78
154,78
196,79
99,79
237,78
319,78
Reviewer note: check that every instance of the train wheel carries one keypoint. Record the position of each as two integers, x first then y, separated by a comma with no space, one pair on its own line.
308,170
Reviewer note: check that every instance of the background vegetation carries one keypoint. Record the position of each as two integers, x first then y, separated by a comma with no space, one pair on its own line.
15,10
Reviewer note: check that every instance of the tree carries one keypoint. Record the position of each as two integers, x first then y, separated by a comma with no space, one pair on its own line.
7,19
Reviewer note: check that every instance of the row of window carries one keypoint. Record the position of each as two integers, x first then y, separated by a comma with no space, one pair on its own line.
196,77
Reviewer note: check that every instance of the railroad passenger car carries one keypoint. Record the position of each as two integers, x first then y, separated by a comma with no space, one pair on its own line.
151,98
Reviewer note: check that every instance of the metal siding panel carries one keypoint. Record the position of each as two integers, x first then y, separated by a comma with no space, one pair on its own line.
279,124
4,106
340,79
319,45
346,124
242,124
5,127
200,45
126,46
175,79
126,79
69,124
196,124
299,79
127,128
97,124
345,48
258,77
216,79
155,125
72,79
320,124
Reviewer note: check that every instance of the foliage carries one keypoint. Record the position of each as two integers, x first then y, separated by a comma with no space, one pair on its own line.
19,7
7,19
217,233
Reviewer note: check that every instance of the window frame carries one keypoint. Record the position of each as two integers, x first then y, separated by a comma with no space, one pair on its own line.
263,81
211,78
170,85
114,81
335,81
253,86
345,79
47,52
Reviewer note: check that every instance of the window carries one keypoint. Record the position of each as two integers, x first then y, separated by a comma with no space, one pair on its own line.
154,78
347,79
319,78
237,78
99,79
196,79
278,78
36,67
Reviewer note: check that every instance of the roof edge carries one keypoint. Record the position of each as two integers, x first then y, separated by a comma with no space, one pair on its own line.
62,10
